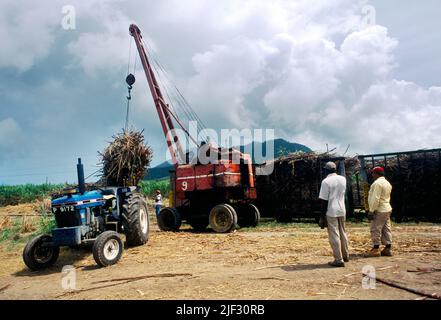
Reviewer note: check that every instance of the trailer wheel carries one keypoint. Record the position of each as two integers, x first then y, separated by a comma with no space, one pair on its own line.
107,248
223,218
169,219
249,216
36,256
199,223
136,219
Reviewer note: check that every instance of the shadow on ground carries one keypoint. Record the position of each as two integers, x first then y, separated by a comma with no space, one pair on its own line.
67,257
304,267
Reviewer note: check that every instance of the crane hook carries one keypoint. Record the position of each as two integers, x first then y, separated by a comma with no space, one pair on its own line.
130,80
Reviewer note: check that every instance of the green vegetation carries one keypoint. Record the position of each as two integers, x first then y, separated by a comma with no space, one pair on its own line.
19,230
46,224
5,234
148,187
266,224
270,223
13,195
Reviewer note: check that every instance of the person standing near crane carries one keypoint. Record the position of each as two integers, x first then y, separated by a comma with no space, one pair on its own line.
379,213
158,203
332,194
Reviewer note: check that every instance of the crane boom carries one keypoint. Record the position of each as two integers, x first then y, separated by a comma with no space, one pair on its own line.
218,193
163,110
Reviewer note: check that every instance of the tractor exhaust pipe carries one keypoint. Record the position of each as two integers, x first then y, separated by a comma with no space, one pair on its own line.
80,172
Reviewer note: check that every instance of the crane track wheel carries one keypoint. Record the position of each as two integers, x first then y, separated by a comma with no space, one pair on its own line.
223,218
249,215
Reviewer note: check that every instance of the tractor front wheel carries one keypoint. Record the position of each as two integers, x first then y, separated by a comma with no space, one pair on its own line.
223,218
169,219
107,249
37,256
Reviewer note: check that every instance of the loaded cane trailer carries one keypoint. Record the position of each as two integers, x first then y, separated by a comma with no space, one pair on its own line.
416,182
292,189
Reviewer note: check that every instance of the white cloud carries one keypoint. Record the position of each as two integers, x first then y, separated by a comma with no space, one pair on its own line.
400,114
27,31
226,74
318,93
307,70
99,52
104,47
320,79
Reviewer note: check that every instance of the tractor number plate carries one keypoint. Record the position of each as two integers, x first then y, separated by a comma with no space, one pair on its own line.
64,209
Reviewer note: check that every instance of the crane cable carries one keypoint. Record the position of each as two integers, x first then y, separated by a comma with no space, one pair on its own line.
170,86
164,80
129,97
130,80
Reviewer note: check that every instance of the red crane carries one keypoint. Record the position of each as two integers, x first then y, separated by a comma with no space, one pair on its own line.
219,194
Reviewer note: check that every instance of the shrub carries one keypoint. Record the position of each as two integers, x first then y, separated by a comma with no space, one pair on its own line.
13,195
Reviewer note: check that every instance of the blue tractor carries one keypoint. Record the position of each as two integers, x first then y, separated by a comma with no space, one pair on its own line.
95,217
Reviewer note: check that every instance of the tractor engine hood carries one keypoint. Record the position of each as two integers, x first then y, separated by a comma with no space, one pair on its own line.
90,198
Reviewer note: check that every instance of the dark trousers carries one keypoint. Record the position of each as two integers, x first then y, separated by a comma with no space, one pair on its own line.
157,210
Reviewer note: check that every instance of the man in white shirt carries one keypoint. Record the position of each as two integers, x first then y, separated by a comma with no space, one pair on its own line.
332,192
380,210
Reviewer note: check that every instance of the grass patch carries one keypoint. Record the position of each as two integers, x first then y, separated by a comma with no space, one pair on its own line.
5,234
148,187
46,224
21,229
266,224
269,223
13,195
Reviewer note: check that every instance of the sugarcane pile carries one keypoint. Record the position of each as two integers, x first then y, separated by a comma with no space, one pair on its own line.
416,183
293,187
125,160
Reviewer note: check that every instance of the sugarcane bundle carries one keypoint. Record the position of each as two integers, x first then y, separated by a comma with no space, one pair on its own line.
416,182
294,184
126,159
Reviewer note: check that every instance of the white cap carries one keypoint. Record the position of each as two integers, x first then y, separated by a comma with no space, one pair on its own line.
330,166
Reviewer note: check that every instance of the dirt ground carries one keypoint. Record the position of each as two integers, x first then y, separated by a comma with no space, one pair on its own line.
269,262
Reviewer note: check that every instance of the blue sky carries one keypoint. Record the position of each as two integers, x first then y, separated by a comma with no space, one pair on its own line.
316,74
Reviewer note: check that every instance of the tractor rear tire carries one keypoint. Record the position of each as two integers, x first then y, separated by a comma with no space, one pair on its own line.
136,219
223,218
169,219
249,216
107,248
37,257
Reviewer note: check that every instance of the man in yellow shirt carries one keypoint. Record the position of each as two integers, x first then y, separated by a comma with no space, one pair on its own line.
380,211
